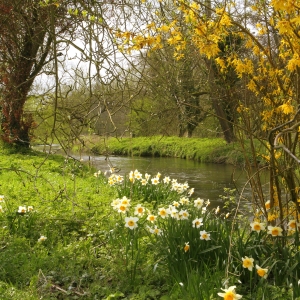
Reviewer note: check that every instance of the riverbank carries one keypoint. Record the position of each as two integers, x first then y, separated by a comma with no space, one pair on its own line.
206,150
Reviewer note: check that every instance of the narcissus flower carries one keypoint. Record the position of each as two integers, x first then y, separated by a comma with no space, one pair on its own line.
204,235
167,180
139,210
151,218
197,222
256,226
155,180
186,247
155,230
22,210
163,212
292,225
1,198
275,231
261,272
42,238
248,262
230,294
198,203
30,208
131,222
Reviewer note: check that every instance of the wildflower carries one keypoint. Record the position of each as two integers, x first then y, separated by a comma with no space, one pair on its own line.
119,178
22,210
268,205
183,215
167,180
204,235
217,210
256,226
139,210
131,222
97,174
122,208
158,175
230,294
125,201
138,176
147,176
275,231
151,218
155,230
191,191
248,262
261,272
155,180
292,225
184,201
163,212
111,180
1,198
197,222
115,203
144,181
30,208
176,204
198,203
186,248
185,186
207,202
173,212
204,209
42,238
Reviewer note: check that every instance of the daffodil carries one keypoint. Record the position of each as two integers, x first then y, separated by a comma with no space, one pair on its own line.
162,212
156,230
122,208
197,222
22,210
167,180
131,222
217,210
248,262
42,238
257,226
139,210
261,272
183,214
186,247
292,225
151,218
204,235
155,181
198,203
30,208
230,294
184,201
1,198
275,230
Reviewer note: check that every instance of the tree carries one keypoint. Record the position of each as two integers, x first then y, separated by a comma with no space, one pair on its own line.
26,39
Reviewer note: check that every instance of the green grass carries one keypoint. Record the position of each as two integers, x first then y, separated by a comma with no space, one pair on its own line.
213,150
88,252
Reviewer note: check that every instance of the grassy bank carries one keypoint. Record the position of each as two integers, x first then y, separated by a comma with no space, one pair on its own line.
68,232
213,150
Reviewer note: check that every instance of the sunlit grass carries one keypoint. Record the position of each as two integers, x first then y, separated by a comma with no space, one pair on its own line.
71,232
